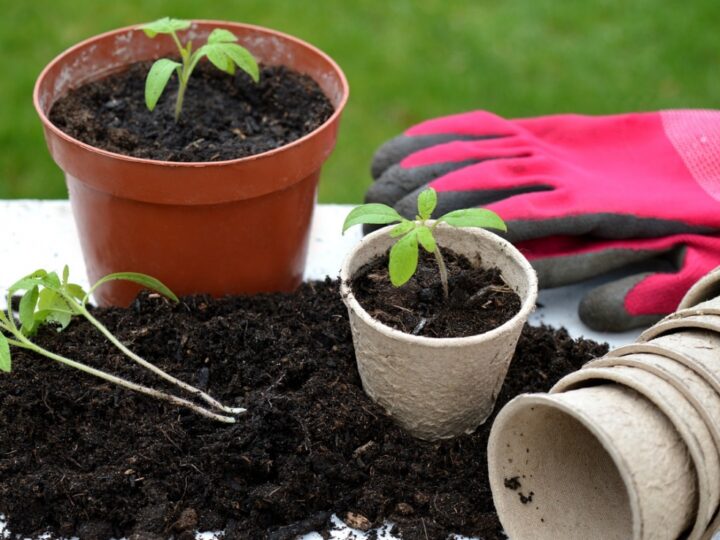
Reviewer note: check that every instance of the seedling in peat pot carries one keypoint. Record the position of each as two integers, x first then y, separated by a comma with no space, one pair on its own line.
49,299
403,258
221,49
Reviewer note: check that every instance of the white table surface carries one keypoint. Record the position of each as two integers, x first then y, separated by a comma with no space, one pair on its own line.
41,234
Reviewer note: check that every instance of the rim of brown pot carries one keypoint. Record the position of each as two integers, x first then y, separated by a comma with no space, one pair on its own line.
189,164
526,307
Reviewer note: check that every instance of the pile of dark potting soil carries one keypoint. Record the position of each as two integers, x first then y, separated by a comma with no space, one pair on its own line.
419,307
223,116
85,458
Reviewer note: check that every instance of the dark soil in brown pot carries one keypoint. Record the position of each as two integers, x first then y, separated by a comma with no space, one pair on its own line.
223,117
85,458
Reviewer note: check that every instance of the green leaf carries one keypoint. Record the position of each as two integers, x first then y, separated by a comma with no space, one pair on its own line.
48,299
225,56
27,310
219,59
426,238
5,361
404,259
427,201
37,278
373,213
220,35
166,25
146,281
52,281
52,307
157,79
65,274
24,284
57,316
474,217
243,59
402,228
28,281
76,291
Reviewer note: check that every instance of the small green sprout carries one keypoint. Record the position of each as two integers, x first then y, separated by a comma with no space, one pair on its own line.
221,49
50,299
403,258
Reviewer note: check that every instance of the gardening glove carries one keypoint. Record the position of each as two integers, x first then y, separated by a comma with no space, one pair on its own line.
671,265
622,176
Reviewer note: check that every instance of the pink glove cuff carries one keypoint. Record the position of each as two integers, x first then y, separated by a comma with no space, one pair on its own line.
695,134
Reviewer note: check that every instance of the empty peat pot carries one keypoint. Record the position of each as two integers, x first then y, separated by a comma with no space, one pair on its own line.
438,388
687,421
597,463
687,320
236,226
696,348
691,384
706,288
703,298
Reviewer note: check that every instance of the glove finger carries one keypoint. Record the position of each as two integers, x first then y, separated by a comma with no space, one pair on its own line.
430,164
458,150
398,148
475,123
564,260
398,181
484,183
642,299
458,184
604,308
473,126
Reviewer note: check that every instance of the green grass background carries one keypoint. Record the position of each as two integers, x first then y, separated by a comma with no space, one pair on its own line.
406,61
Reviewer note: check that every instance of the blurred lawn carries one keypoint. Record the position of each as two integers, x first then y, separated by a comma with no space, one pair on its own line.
405,60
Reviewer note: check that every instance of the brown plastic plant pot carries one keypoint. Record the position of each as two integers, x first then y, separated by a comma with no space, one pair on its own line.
227,227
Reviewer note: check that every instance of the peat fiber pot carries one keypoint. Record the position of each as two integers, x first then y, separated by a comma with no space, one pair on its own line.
226,227
437,388
596,463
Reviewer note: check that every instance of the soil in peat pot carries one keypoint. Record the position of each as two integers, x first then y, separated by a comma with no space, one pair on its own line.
82,457
479,299
223,117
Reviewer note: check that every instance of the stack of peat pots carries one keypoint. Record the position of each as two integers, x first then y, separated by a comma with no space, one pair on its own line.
627,447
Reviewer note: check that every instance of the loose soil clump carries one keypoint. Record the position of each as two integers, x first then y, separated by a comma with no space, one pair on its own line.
223,117
81,457
479,299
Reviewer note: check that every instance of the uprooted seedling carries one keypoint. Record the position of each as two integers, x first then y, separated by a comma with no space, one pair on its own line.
403,259
50,299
